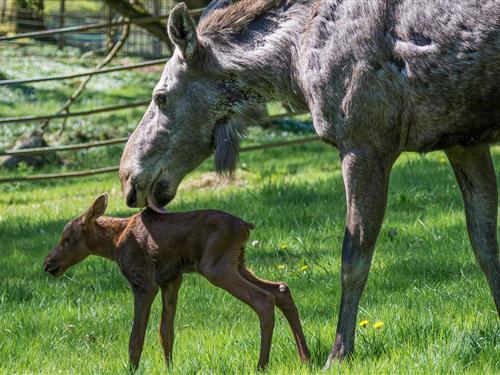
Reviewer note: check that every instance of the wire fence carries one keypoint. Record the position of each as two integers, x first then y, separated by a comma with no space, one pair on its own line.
81,146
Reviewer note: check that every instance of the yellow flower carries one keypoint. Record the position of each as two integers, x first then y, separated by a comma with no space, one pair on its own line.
363,323
281,266
283,246
442,160
305,267
378,324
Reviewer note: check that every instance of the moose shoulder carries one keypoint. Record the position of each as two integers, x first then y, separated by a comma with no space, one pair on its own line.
378,77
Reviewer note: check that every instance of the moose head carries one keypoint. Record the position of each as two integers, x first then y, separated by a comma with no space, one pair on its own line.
197,107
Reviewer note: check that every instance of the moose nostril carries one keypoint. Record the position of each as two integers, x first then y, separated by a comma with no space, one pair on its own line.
131,198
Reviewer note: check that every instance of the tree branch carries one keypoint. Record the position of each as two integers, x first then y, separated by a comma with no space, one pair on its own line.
136,10
83,84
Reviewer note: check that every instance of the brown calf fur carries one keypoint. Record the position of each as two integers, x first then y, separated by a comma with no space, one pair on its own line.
154,250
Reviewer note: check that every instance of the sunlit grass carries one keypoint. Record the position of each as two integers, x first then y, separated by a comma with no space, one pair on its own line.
437,313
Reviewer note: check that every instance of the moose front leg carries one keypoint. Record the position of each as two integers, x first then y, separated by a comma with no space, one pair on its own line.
169,294
142,308
366,177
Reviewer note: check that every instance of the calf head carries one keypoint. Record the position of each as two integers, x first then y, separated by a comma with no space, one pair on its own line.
77,240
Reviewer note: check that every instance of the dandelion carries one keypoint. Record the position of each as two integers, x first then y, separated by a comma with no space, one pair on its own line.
363,323
281,266
442,160
284,246
304,268
378,324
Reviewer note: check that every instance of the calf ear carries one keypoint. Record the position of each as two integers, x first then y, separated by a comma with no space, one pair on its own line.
182,30
96,209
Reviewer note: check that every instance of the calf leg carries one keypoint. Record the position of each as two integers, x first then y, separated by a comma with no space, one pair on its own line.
228,278
475,175
169,294
284,301
366,178
142,307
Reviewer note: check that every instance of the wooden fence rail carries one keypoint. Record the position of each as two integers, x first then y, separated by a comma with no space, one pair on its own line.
54,149
14,120
91,172
83,74
108,142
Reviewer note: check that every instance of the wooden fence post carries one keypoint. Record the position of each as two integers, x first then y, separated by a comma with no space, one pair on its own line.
4,10
157,44
61,23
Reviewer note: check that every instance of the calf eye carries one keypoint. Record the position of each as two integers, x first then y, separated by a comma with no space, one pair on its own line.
160,99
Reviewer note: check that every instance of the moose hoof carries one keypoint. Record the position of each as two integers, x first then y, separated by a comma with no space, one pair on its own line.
336,355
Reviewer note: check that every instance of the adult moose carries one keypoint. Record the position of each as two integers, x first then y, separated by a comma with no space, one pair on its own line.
379,78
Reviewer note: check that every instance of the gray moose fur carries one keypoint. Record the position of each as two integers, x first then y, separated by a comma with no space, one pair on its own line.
379,78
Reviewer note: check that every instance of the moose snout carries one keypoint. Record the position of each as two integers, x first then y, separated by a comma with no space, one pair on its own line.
51,266
133,194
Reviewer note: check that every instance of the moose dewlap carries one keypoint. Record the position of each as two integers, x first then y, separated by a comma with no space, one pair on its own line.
154,250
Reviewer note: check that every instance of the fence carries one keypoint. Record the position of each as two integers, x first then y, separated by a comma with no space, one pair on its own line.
74,147
92,32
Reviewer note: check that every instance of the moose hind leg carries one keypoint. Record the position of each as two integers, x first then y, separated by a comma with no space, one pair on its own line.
227,277
475,174
285,303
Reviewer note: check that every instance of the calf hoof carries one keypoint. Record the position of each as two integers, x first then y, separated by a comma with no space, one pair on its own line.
261,368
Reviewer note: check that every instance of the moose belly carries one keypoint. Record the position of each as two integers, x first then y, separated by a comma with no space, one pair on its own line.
448,140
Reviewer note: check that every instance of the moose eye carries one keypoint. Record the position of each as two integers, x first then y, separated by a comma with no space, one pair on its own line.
160,99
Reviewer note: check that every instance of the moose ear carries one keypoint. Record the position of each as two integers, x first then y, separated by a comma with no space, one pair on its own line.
97,209
182,30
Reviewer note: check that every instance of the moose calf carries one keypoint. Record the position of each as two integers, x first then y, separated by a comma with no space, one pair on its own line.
154,250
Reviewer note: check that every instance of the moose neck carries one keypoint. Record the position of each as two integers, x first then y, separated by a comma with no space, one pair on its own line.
106,236
264,56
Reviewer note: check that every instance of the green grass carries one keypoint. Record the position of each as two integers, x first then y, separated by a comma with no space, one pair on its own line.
424,285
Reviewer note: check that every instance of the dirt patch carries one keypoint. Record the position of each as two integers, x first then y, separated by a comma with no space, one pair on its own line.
212,180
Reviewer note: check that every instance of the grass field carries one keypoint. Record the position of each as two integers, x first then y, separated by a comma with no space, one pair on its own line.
438,314
424,285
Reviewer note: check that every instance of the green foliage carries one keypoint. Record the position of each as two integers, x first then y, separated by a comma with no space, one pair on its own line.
34,5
